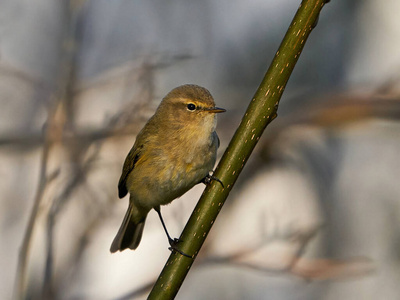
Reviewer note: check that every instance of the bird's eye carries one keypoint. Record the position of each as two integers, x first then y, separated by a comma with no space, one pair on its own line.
191,107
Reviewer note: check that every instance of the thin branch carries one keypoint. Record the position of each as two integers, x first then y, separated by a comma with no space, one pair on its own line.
261,111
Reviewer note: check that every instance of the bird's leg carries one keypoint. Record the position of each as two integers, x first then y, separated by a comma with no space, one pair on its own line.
172,242
207,180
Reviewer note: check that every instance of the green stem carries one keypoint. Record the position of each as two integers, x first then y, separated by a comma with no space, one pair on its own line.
261,111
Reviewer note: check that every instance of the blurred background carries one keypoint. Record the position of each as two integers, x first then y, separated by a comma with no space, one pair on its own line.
315,213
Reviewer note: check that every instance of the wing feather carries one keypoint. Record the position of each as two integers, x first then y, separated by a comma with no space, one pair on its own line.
129,165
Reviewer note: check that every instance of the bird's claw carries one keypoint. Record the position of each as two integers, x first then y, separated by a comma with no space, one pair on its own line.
173,243
207,180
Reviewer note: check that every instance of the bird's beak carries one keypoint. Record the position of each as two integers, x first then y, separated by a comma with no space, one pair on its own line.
215,110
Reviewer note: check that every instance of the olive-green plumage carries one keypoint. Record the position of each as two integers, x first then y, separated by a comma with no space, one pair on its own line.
175,150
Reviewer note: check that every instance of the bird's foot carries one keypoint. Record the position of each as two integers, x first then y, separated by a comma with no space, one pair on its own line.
207,180
173,243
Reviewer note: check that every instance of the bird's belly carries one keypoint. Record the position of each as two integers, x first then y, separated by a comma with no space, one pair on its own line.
169,182
179,179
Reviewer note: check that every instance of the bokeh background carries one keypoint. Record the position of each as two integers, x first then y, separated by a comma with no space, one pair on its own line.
314,215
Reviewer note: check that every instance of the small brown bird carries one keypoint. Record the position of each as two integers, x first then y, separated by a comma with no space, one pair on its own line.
176,149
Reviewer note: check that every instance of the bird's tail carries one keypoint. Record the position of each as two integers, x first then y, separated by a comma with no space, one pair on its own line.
130,232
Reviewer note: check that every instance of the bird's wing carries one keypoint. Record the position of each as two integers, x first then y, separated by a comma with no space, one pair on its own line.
216,138
129,165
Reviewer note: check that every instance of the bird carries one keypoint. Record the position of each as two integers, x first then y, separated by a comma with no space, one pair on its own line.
175,150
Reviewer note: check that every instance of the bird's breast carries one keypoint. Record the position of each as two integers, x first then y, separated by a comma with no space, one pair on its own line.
172,168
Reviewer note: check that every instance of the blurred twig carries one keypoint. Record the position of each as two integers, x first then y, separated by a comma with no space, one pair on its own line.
295,265
345,109
68,67
21,279
53,132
